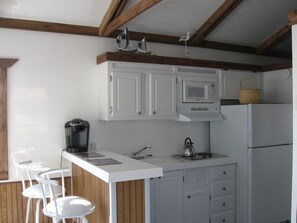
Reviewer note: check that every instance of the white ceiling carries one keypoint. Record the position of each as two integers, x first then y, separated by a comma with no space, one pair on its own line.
174,17
251,23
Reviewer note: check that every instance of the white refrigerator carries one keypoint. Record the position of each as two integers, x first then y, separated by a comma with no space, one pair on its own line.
260,136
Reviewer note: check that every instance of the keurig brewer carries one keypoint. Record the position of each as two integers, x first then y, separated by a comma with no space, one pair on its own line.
77,135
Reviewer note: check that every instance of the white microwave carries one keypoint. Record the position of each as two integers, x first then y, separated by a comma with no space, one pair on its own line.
198,95
199,91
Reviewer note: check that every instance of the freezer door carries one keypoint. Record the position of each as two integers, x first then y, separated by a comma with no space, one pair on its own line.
270,180
270,124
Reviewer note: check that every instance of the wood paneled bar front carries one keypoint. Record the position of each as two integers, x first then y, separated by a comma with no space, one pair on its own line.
120,191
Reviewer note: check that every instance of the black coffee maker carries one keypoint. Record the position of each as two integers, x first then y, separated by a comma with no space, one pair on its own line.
77,135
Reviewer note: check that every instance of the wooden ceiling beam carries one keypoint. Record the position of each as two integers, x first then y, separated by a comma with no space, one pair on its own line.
274,39
119,9
214,20
292,17
125,17
113,7
280,66
47,27
93,31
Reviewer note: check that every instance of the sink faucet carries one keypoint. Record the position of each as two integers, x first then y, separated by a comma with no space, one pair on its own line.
134,155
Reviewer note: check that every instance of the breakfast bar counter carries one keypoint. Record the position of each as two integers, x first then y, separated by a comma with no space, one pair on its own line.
123,169
118,185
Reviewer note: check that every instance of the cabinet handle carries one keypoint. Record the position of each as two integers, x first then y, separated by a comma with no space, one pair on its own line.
224,204
154,112
189,196
224,188
224,172
224,220
139,113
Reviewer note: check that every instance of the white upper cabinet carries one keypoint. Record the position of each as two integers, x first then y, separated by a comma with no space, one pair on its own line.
162,96
135,91
126,94
230,82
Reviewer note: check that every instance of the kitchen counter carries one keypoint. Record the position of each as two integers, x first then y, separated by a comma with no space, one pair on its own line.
168,163
106,178
115,183
128,169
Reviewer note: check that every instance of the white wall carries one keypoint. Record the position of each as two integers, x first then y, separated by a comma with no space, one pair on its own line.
294,184
55,80
277,86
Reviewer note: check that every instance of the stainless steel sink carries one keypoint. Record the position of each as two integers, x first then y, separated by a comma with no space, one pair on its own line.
141,156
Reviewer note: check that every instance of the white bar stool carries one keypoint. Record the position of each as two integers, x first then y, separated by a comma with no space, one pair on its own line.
25,170
65,207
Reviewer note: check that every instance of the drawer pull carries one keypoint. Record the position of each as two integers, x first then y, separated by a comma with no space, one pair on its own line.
224,204
224,172
189,196
224,220
224,188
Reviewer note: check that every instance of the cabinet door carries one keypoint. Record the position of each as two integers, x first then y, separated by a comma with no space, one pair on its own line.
126,95
162,97
169,198
230,82
197,207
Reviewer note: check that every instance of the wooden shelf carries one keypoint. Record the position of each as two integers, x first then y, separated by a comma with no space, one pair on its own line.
153,59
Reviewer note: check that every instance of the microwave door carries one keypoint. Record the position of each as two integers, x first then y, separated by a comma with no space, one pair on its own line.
194,92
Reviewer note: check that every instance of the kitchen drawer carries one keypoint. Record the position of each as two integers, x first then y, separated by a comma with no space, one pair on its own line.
222,203
222,187
223,217
197,179
222,172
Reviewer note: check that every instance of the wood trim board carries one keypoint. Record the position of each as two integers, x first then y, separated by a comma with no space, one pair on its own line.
3,125
140,58
4,64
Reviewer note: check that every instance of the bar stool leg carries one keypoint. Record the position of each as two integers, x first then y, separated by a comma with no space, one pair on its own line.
84,220
37,211
28,209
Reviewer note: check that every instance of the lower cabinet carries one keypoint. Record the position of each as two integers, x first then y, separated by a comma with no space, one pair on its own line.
197,207
199,195
167,198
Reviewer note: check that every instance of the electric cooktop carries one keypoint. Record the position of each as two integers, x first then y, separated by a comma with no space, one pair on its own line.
197,156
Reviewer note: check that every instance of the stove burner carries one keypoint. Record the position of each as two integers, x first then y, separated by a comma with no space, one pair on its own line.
198,156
